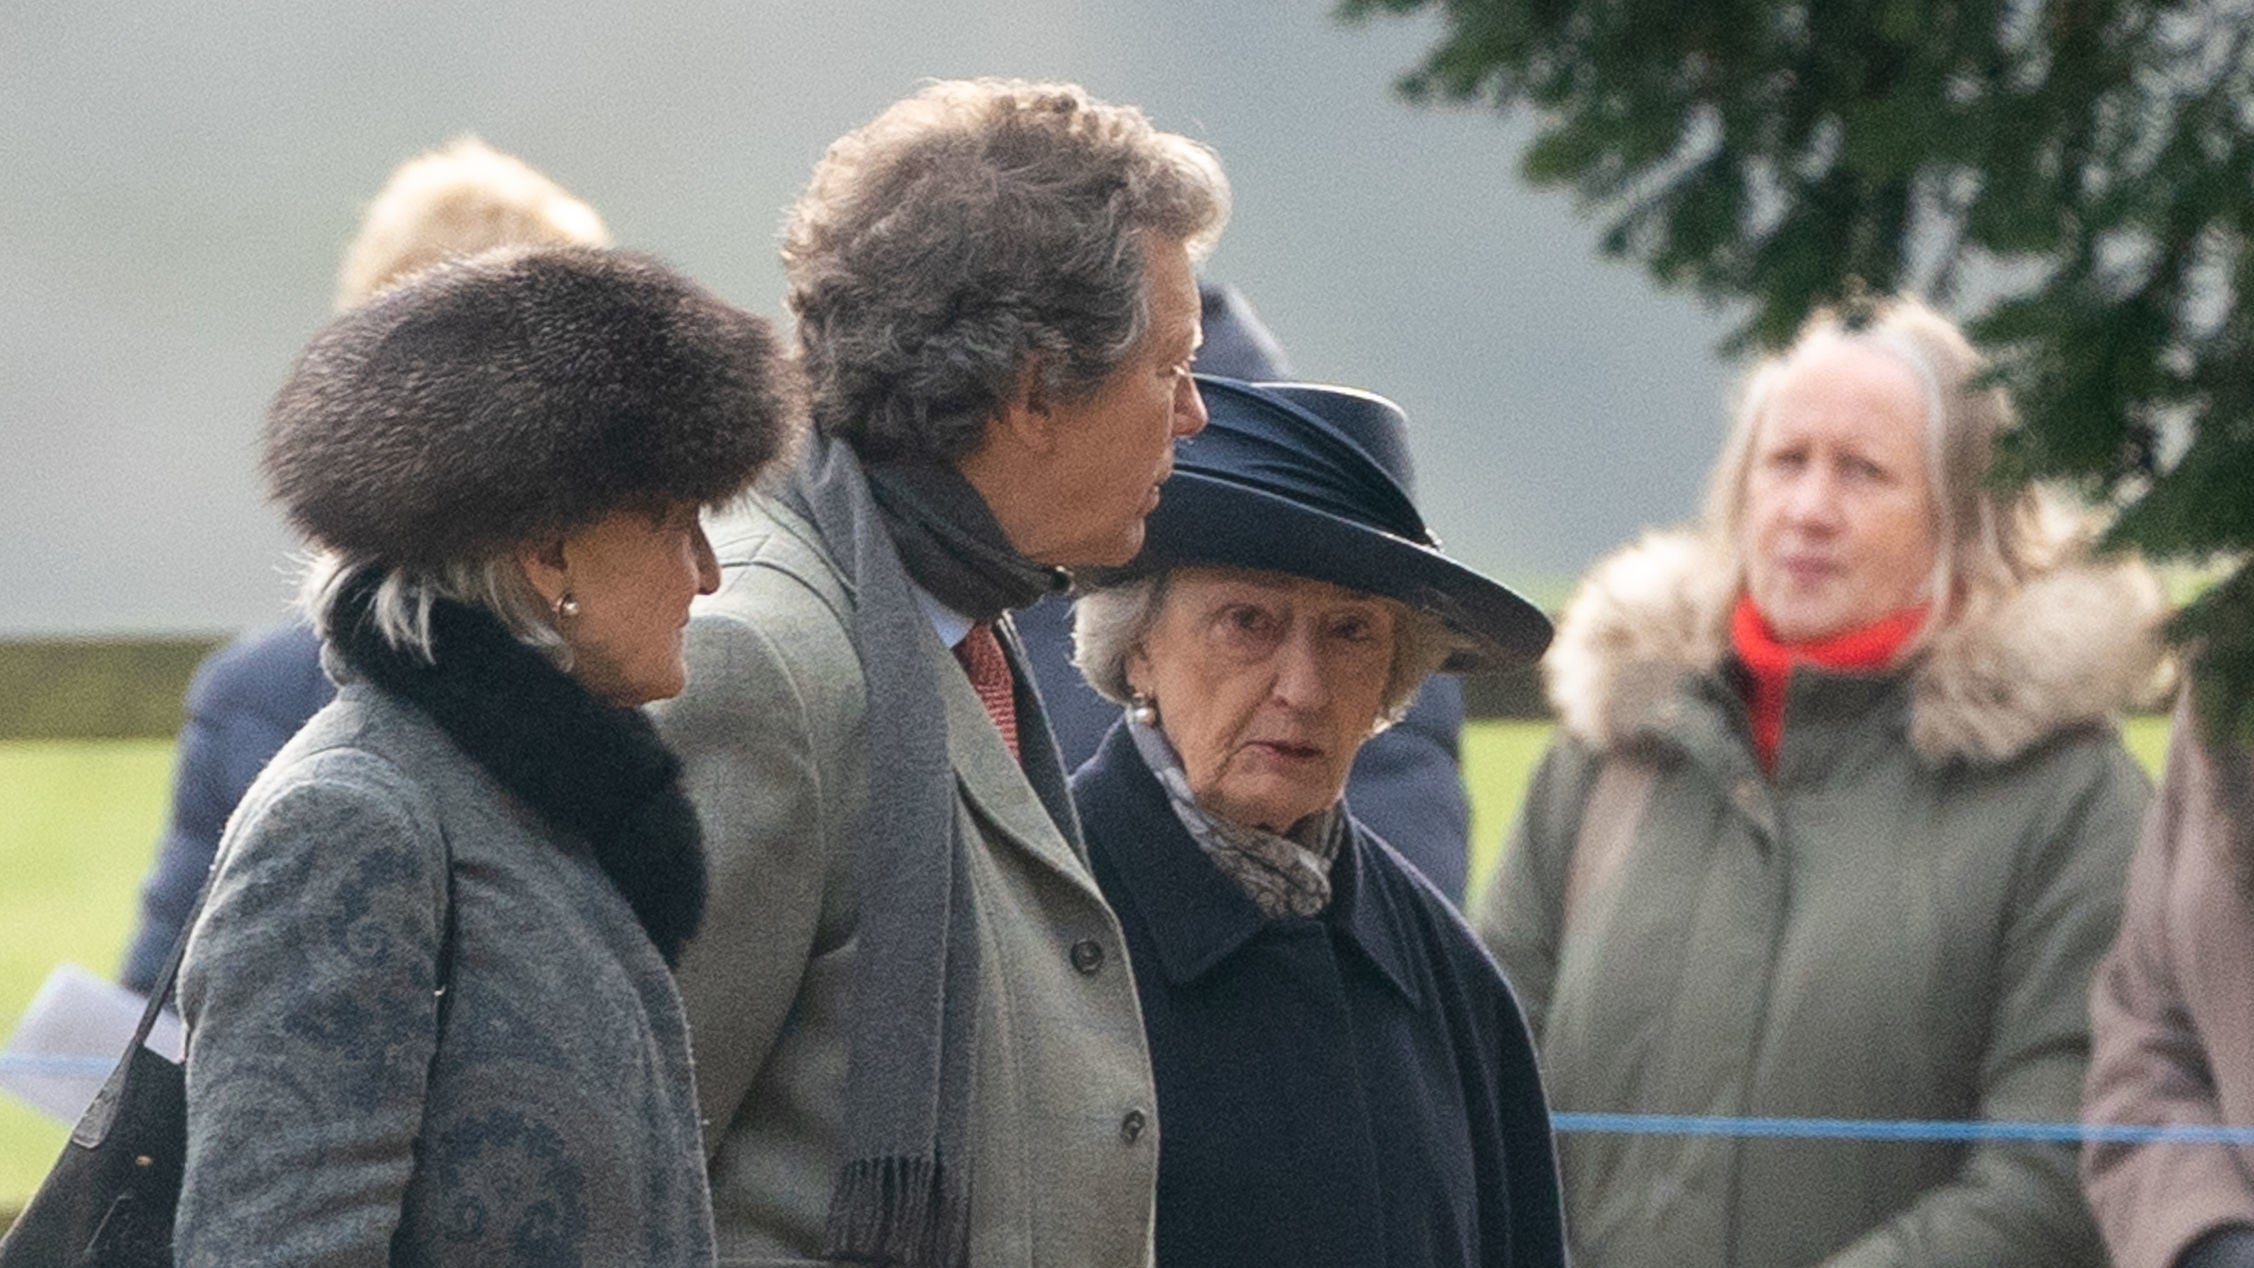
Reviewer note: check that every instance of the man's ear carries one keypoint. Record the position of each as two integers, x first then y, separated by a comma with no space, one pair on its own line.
1029,416
545,567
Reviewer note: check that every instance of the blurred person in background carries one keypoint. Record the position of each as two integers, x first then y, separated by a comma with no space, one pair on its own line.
904,1055
1407,783
250,696
2172,1019
430,1011
1343,1076
1835,826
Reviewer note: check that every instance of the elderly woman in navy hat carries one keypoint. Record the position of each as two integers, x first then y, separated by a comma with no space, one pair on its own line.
1343,1074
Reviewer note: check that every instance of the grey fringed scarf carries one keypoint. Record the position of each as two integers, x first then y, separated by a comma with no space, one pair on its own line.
902,1195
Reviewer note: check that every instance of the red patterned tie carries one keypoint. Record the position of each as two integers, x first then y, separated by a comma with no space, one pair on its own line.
989,670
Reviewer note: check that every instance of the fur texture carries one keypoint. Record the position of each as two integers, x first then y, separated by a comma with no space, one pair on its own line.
521,394
596,771
2072,646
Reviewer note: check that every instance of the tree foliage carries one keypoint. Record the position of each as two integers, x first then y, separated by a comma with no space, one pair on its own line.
2073,178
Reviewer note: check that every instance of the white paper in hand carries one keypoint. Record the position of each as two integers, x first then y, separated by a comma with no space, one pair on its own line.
70,1037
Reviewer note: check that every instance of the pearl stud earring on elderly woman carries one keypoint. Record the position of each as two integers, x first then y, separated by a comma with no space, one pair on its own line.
1342,1074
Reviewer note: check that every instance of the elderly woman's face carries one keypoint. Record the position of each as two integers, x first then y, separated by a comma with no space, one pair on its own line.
1266,685
1838,516
632,575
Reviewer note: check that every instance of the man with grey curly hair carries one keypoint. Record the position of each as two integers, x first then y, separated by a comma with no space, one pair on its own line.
918,1042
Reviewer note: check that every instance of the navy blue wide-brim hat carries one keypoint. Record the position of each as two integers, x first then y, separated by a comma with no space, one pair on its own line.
1314,482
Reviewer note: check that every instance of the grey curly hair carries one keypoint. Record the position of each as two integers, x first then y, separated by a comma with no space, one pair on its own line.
970,231
1108,622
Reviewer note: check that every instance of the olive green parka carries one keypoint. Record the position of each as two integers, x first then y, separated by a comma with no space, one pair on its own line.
1899,923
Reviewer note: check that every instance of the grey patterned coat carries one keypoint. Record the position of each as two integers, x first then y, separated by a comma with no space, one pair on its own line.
557,1124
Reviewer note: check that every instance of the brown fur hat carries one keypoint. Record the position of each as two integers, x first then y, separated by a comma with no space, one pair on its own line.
522,393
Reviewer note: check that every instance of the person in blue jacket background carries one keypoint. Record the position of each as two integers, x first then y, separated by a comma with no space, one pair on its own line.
1407,784
249,697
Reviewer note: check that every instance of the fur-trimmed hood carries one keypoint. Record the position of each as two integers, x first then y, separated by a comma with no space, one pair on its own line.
519,393
2076,644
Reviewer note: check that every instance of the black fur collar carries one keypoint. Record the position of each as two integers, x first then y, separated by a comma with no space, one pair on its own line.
588,768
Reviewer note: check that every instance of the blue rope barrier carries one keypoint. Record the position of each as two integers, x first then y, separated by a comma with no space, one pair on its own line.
1901,1129
1671,1124
81,1067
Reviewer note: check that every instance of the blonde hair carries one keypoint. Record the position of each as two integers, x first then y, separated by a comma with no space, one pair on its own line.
459,199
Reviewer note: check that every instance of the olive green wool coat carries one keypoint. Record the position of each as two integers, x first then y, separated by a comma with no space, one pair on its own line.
1901,923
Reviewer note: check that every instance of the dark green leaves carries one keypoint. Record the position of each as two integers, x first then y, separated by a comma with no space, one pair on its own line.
2096,154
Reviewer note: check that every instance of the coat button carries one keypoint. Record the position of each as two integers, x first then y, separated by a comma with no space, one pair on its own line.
1131,1126
1087,955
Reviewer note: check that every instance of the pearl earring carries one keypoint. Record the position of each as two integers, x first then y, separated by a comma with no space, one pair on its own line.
566,606
1142,709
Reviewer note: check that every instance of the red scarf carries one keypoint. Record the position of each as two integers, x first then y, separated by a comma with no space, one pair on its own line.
1769,663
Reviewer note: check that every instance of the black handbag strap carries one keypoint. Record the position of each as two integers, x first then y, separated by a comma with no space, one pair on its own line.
160,991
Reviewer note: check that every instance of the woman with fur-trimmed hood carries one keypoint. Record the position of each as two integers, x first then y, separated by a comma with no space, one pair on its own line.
1836,826
431,1017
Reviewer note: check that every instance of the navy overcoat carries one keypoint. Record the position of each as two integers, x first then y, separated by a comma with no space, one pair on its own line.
1356,1089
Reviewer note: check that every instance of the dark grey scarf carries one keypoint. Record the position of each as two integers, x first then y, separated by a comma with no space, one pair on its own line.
951,544
902,1195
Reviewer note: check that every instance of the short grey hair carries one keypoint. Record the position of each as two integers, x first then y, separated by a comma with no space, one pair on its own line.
1990,540
457,200
400,610
1109,622
974,229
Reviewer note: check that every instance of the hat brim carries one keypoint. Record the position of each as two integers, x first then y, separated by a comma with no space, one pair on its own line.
1203,519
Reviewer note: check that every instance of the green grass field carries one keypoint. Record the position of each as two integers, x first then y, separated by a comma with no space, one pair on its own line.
78,824
81,817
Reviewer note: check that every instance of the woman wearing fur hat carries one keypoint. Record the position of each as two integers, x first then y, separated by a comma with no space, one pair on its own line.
1343,1077
429,1007
1836,827
250,696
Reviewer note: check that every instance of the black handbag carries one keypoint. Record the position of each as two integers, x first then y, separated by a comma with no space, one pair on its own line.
109,1199
108,1202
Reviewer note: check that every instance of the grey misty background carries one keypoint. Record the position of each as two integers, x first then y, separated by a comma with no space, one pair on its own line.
177,183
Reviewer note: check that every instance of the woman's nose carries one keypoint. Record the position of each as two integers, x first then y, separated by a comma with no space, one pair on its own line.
1813,499
1300,681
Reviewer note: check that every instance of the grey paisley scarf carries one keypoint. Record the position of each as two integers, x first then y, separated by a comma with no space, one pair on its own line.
1284,876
